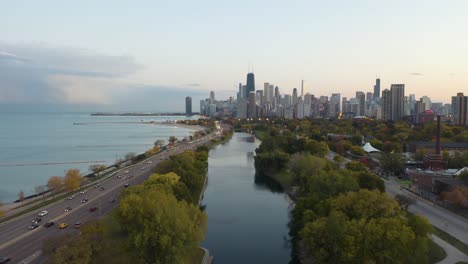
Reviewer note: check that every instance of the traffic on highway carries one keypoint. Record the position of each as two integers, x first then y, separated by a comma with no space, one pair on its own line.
21,238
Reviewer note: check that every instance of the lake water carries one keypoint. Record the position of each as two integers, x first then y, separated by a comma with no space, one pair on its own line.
247,215
35,138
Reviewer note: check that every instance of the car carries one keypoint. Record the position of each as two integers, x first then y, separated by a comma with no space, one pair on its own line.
63,225
49,224
70,197
43,213
77,225
102,188
127,171
83,191
112,200
149,162
161,158
68,209
33,226
4,260
36,220
97,185
84,200
92,209
142,168
126,185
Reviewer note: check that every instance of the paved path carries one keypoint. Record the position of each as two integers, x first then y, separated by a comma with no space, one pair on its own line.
449,222
453,254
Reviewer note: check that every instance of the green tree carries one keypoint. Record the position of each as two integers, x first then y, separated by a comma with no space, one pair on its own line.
464,176
357,150
172,139
370,181
97,168
338,159
160,229
304,166
355,166
159,143
392,162
1,210
74,251
55,184
72,179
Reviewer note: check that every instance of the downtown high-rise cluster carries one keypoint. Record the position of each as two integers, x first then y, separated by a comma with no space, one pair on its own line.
389,104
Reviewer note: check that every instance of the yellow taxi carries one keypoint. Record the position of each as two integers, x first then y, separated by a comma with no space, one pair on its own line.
62,225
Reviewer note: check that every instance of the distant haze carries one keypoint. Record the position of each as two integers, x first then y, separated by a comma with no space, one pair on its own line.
149,55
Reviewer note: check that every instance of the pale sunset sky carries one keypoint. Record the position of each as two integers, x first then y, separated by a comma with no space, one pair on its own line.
149,55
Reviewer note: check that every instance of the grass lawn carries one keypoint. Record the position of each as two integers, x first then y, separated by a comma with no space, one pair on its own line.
451,240
436,253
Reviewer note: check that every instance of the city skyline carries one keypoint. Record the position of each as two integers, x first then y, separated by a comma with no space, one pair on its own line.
66,55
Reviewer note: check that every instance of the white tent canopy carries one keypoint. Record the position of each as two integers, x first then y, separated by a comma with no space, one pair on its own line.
369,148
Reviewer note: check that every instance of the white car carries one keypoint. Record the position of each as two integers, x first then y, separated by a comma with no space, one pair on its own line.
126,171
43,213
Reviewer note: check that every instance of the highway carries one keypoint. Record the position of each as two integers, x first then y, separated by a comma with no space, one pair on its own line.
23,245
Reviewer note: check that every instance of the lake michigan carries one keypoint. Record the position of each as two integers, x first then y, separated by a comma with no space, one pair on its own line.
29,139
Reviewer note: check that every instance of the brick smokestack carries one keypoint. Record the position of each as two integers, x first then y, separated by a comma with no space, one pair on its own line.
438,136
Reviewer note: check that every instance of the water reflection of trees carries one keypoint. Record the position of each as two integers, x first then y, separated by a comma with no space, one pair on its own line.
266,183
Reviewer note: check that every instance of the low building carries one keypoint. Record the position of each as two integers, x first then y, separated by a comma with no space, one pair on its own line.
430,146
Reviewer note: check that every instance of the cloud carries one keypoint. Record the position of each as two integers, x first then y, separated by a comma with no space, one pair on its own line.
193,84
38,73
416,74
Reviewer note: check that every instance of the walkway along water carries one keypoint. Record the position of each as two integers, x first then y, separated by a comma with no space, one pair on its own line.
247,214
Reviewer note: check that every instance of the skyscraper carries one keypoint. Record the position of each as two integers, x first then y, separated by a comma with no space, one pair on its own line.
377,89
294,97
252,107
250,84
266,92
212,97
361,97
386,105
460,109
398,101
188,105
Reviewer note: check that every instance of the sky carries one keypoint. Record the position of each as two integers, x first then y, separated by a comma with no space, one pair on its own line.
149,55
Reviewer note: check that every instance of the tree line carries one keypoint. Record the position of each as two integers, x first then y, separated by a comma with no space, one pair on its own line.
158,221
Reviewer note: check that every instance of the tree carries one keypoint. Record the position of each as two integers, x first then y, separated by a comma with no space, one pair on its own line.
304,166
464,176
130,156
160,229
404,201
72,180
97,168
357,150
21,196
172,139
392,162
355,166
339,160
370,181
40,189
55,184
366,227
159,143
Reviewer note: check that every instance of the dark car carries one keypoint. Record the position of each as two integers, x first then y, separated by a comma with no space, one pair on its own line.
126,185
36,220
84,200
68,209
33,226
102,188
77,225
49,224
4,260
92,209
112,200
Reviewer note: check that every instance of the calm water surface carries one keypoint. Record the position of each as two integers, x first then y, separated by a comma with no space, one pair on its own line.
247,215
31,138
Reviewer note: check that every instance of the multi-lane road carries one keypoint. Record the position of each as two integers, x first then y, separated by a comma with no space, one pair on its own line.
23,245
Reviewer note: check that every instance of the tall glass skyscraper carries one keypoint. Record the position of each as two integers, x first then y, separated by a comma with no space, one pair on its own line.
250,84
